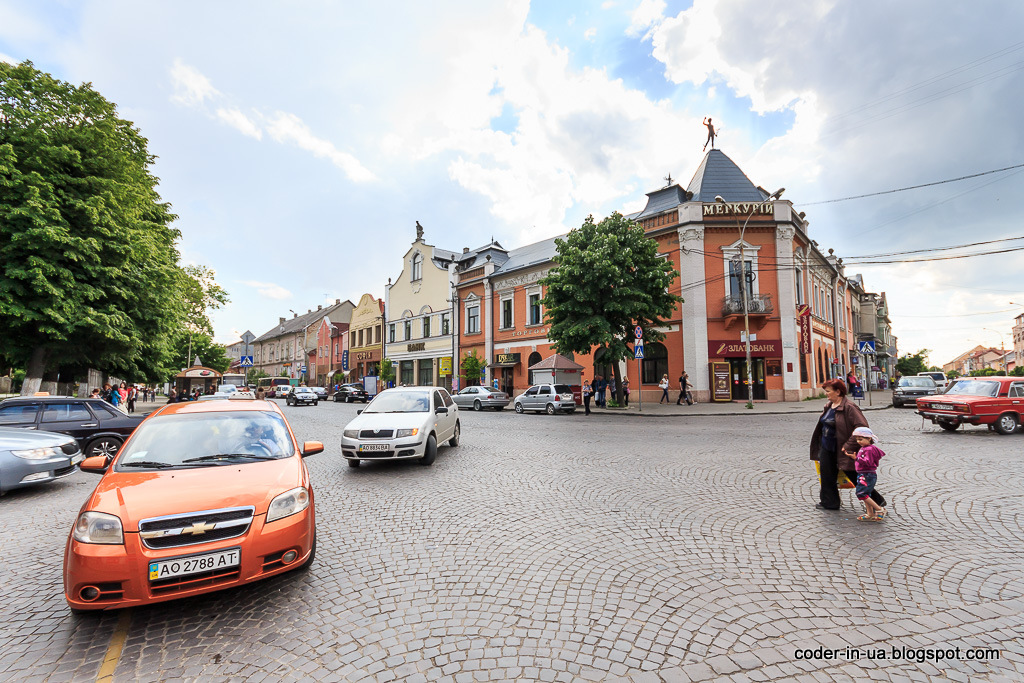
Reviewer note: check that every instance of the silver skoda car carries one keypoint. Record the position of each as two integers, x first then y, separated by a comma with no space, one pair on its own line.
402,423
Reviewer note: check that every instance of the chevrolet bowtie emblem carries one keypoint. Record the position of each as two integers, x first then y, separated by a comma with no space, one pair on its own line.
198,529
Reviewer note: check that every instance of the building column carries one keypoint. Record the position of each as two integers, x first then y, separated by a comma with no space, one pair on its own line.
784,276
694,311
488,329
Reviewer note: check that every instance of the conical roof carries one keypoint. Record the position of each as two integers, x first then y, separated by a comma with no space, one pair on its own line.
719,175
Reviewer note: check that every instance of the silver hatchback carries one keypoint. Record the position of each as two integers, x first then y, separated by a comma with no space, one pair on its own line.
547,398
479,398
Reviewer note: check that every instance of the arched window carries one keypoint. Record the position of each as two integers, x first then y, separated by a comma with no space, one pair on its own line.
655,363
533,360
417,267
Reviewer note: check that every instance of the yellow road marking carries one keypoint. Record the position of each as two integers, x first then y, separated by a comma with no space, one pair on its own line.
113,656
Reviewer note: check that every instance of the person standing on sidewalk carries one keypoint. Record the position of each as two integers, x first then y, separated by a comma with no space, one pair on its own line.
684,389
600,386
587,391
832,443
625,392
663,385
133,394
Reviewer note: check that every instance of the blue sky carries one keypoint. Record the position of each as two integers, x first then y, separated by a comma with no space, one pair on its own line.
299,143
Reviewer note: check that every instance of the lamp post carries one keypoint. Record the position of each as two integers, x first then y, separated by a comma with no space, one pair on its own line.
743,291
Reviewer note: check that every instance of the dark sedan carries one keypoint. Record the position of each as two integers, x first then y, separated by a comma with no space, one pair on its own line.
909,389
99,427
351,392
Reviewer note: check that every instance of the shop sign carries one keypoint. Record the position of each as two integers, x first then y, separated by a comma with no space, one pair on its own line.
198,373
366,355
445,368
739,208
803,316
738,349
417,346
507,358
721,384
530,333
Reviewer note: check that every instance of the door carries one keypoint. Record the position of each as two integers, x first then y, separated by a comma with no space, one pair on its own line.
543,398
20,415
71,418
529,400
445,422
738,375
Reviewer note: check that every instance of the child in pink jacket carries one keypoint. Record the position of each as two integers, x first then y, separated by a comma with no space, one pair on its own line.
867,473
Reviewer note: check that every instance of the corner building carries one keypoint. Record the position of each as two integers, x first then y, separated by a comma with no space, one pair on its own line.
797,298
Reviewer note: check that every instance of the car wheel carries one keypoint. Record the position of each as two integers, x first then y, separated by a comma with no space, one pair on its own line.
315,402
550,410
430,452
312,555
353,463
454,441
519,408
949,425
499,407
1007,423
476,405
105,445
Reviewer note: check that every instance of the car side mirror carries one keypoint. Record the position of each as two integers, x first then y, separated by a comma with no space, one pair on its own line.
311,448
97,464
441,410
359,412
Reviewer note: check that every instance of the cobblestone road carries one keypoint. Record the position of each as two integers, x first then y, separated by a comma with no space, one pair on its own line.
570,548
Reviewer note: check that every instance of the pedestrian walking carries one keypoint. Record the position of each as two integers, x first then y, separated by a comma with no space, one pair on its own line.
833,441
684,389
625,392
261,394
114,396
172,397
611,388
587,391
867,458
663,385
600,386
133,394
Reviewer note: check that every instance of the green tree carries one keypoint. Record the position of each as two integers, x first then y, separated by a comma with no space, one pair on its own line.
607,278
911,364
387,372
212,355
88,264
471,365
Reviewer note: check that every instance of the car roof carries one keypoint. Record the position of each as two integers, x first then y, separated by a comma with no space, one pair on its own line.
225,406
19,399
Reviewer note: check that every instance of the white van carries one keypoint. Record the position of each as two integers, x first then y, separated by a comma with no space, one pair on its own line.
940,379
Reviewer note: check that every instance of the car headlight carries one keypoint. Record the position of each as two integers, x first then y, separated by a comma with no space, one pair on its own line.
402,433
98,527
288,503
351,433
38,453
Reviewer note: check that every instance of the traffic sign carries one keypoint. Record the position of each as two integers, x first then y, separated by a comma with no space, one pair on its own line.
638,350
248,337
302,368
638,332
246,362
866,347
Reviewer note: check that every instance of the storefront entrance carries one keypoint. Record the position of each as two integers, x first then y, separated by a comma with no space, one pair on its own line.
738,372
506,383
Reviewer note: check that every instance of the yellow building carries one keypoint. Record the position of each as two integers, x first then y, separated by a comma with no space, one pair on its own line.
364,340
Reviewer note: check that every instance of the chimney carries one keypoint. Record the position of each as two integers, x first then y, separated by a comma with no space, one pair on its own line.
318,307
280,321
337,301
465,250
295,315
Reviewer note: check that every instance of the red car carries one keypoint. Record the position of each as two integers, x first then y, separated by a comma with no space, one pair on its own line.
994,401
202,497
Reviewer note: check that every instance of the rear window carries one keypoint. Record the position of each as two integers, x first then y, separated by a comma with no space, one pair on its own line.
973,387
937,376
563,389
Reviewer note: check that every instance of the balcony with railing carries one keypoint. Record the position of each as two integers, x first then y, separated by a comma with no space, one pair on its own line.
759,308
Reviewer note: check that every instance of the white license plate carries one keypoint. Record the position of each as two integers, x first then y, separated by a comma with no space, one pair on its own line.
367,447
941,406
181,566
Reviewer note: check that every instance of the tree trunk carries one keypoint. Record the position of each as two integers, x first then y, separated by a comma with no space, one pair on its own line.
34,371
618,382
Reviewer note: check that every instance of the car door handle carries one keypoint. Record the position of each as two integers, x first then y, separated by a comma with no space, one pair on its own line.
91,424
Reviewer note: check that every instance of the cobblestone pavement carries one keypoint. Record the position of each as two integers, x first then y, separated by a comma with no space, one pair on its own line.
571,548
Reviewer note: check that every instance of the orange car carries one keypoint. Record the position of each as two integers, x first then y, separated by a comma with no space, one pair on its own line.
203,496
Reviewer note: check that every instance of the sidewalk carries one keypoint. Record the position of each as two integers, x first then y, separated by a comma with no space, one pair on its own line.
879,401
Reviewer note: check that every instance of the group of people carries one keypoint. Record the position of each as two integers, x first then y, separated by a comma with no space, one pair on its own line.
599,390
684,389
123,396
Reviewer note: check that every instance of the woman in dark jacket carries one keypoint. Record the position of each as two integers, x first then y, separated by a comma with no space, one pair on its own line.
832,443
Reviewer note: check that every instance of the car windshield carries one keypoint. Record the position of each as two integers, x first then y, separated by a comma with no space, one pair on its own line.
973,387
201,439
919,382
400,402
563,389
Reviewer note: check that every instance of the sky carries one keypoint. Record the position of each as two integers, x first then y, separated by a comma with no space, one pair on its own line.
300,142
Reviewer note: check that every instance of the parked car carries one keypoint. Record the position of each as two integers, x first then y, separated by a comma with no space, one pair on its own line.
909,389
350,393
321,392
938,377
402,423
301,396
227,388
203,496
549,398
479,398
994,401
215,397
29,457
99,427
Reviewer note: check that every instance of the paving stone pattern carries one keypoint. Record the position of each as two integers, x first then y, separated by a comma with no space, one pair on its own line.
567,548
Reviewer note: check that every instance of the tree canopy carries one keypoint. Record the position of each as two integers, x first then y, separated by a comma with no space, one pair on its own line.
89,270
910,364
607,279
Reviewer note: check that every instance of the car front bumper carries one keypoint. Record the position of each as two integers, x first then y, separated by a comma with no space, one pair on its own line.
121,572
17,472
405,448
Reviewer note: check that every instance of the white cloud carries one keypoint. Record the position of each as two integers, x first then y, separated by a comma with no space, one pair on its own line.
191,88
646,15
269,289
285,127
590,34
8,59
240,122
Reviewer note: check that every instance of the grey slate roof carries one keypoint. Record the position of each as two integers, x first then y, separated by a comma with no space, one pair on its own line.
529,255
661,200
719,175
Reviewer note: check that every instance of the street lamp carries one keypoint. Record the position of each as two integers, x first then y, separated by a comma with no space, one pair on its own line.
743,290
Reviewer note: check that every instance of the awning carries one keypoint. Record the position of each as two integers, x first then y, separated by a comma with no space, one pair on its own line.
502,365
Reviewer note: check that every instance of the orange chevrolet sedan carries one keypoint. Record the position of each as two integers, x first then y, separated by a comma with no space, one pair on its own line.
203,496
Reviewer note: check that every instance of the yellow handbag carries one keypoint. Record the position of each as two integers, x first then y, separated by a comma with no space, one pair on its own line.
842,481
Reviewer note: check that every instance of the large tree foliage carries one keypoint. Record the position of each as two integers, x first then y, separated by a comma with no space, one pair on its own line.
910,364
88,264
187,347
607,279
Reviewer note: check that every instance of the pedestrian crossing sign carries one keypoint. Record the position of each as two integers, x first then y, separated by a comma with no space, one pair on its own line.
638,351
